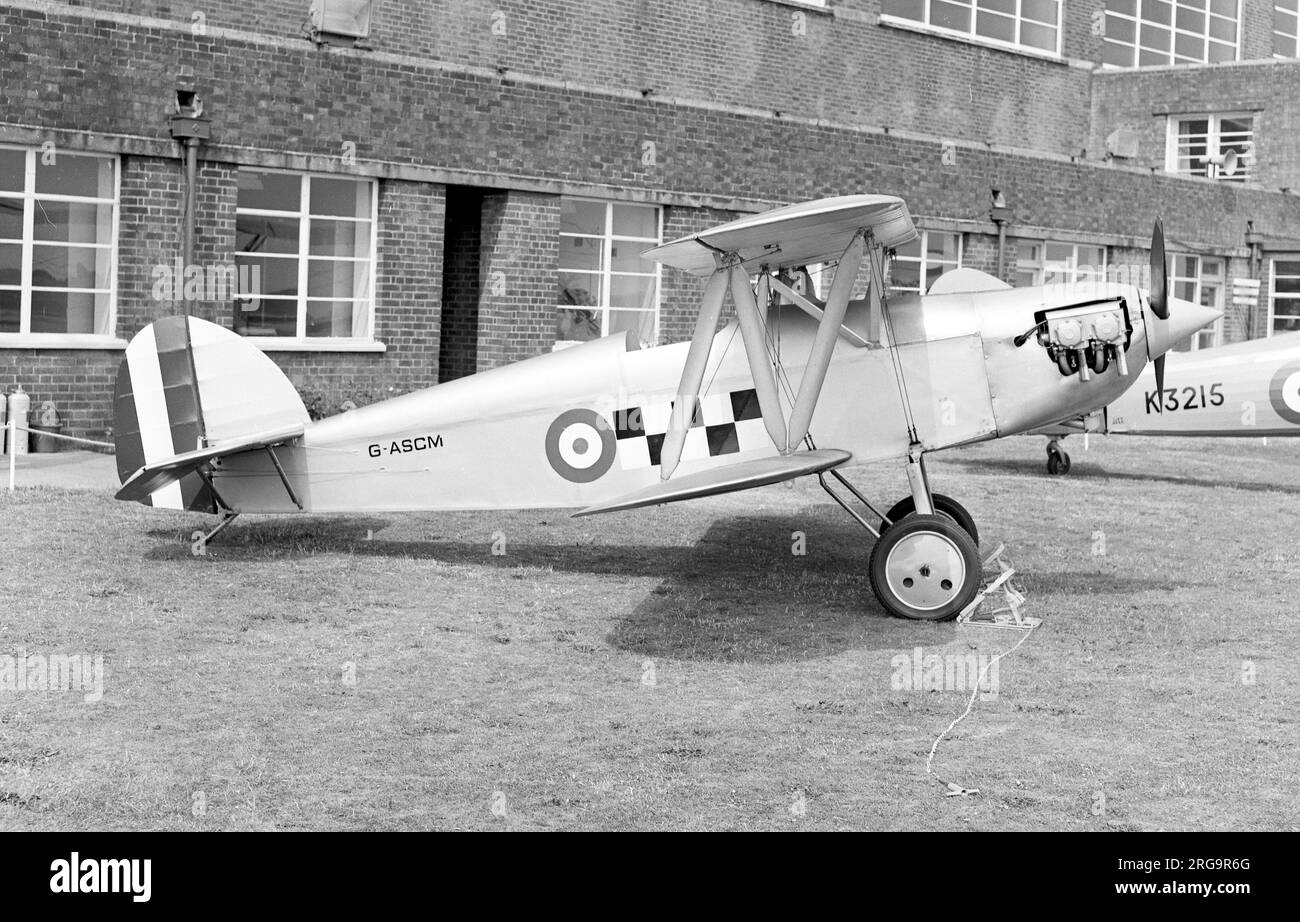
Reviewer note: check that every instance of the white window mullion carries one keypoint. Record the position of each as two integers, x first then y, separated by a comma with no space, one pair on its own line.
373,271
607,269
304,248
110,320
659,274
29,233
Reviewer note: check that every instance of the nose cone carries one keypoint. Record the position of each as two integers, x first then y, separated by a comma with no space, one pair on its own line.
1185,318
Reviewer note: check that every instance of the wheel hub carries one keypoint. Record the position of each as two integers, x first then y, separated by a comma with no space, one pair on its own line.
925,570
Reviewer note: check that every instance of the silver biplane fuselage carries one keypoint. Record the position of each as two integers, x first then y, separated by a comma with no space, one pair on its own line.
481,442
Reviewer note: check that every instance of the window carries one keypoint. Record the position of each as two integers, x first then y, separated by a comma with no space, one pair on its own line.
311,241
1284,294
1199,279
1032,24
1150,33
929,256
1286,36
1044,262
1197,146
58,223
604,285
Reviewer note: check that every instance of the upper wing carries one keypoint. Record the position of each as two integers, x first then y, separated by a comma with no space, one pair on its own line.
796,235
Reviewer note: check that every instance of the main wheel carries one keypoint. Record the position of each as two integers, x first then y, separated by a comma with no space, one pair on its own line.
926,567
944,505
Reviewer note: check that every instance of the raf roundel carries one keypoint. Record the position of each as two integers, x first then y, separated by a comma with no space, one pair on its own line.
580,445
1284,392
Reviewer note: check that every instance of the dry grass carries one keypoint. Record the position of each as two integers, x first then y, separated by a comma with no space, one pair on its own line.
519,681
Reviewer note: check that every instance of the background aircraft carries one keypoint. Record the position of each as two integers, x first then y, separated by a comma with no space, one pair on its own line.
206,422
1245,389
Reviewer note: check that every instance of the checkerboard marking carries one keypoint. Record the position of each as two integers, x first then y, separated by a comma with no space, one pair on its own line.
725,423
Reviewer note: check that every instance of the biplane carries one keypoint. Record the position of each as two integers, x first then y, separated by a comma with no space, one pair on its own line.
1247,389
795,385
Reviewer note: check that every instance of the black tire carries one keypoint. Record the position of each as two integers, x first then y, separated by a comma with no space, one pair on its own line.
1058,463
944,505
931,588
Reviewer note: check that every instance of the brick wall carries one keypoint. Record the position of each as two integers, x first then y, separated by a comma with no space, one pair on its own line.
837,64
520,249
1143,100
680,292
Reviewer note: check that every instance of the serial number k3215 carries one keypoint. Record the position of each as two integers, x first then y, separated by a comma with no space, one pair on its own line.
1186,398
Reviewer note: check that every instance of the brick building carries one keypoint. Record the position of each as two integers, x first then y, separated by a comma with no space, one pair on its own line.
428,188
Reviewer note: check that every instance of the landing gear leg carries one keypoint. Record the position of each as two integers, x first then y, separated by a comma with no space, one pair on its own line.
1058,460
922,501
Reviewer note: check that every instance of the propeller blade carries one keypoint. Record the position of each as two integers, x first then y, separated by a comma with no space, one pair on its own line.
1159,295
1160,384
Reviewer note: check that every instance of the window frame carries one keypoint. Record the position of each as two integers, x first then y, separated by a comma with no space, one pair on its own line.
1040,268
24,337
606,272
925,24
1213,141
923,262
300,340
1198,281
1135,59
1290,8
1273,260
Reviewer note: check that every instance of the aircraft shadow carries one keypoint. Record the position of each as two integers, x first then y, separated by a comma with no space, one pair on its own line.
738,594
1092,470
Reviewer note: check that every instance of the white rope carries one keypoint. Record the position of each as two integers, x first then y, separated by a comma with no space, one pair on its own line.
953,788
66,438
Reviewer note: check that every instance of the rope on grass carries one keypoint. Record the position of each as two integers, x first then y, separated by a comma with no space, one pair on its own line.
954,789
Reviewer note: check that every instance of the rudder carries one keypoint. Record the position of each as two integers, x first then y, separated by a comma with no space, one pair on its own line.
188,384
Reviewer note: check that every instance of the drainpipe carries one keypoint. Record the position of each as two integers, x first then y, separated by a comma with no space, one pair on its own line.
191,180
1256,243
189,126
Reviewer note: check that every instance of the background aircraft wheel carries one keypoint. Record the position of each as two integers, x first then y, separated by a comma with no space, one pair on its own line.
1058,462
926,567
944,505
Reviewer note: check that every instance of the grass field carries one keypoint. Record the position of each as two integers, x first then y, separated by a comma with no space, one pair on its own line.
678,668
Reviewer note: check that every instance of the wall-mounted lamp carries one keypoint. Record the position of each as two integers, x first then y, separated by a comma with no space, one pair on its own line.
187,119
1001,211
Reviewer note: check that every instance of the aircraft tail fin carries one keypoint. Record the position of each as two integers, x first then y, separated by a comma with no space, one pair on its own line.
189,389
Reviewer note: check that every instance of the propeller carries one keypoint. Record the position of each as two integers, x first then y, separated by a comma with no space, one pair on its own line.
1158,298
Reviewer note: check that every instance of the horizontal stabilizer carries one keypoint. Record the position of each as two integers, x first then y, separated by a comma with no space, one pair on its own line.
796,235
728,479
159,474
